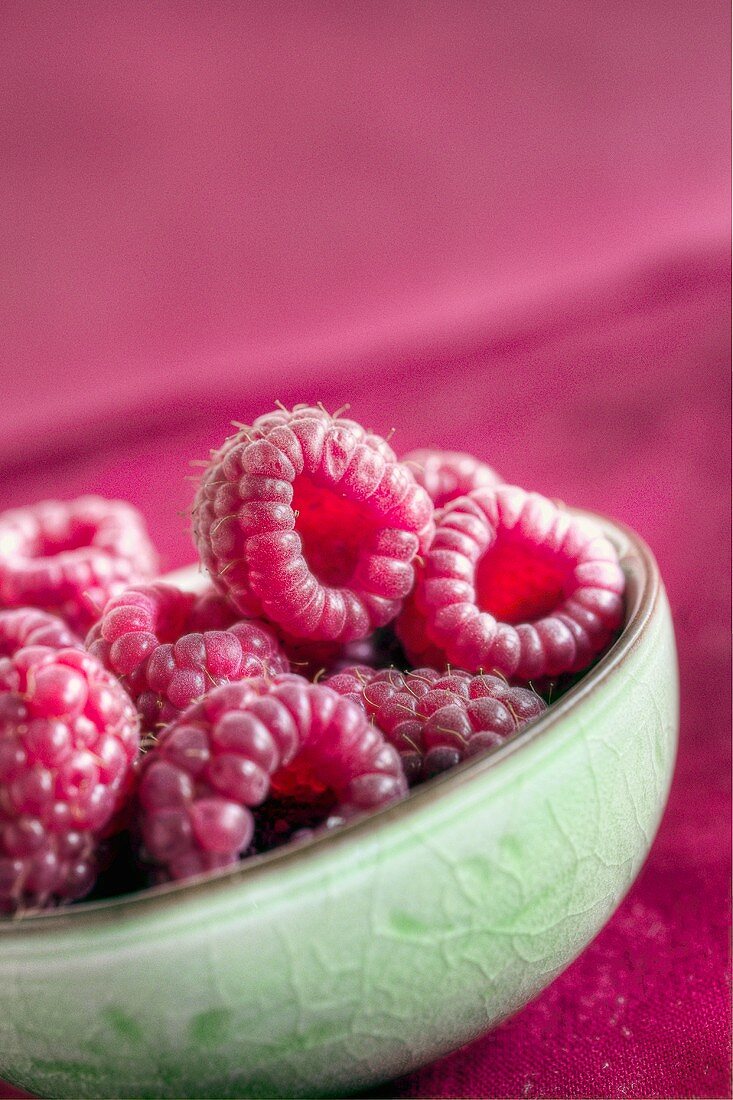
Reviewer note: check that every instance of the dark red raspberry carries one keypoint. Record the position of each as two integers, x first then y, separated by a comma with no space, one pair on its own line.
220,758
513,583
158,640
23,626
68,737
69,557
309,521
446,475
436,719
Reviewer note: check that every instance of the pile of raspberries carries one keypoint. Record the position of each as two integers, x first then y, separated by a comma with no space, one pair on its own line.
370,622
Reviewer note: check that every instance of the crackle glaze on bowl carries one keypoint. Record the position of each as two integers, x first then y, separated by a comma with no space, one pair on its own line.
374,950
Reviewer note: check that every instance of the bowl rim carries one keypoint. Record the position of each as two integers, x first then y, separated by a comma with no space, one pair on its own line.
643,585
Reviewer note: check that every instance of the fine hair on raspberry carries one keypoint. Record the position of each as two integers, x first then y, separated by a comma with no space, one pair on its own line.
309,521
514,583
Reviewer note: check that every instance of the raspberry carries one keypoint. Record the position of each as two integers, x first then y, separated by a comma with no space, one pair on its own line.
309,521
68,737
69,557
145,636
514,584
23,626
436,719
446,475
218,761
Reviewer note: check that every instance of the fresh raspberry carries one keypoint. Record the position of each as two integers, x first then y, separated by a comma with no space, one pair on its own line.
68,738
436,719
514,584
69,557
446,475
23,626
160,642
309,521
221,757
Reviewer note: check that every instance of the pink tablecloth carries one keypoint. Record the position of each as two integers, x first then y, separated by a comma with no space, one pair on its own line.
495,227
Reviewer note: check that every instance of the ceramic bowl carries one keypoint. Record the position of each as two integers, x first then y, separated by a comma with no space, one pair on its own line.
362,955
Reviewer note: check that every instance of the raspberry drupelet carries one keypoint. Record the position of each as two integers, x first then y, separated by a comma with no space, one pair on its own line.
68,738
309,521
70,557
514,584
436,719
446,475
220,758
23,626
170,647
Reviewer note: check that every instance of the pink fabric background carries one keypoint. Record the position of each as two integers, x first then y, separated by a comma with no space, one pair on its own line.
496,226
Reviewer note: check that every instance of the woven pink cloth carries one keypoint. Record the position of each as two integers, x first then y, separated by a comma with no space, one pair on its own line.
495,227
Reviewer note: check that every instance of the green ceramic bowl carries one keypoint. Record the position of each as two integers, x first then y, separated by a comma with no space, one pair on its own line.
374,950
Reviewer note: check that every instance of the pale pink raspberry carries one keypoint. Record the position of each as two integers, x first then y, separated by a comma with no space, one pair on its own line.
24,626
70,557
515,584
446,475
309,521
